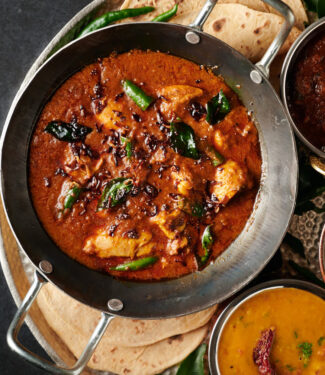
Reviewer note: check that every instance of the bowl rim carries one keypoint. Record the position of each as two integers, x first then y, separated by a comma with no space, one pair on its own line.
322,253
296,48
243,297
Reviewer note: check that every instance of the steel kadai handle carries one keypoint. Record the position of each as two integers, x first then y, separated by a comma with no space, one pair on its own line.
18,320
264,64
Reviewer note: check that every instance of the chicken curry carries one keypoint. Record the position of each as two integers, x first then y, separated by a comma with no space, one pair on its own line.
144,165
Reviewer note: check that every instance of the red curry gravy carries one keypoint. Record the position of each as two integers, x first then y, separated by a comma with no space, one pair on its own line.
307,94
173,198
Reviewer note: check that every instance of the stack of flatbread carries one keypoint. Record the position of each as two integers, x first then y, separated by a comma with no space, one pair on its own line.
129,346
249,26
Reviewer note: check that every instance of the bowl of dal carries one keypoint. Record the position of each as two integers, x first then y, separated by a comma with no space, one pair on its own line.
277,327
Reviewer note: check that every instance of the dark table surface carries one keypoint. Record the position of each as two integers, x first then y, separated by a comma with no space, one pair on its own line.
25,29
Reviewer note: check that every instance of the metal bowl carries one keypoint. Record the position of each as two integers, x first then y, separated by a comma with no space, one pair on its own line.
291,57
233,305
322,253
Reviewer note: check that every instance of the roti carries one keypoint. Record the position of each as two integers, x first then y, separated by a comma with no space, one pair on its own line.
128,346
189,9
249,26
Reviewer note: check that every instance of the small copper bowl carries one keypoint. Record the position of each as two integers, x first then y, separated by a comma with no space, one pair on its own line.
322,253
317,159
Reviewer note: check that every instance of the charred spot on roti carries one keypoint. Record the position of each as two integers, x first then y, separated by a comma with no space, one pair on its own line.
218,24
243,26
257,30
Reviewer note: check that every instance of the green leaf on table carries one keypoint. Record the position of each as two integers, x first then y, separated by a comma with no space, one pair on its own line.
193,364
295,244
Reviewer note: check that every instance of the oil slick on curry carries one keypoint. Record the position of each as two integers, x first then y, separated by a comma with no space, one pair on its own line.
144,165
277,331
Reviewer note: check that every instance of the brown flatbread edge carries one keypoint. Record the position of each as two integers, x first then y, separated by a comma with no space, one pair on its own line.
121,331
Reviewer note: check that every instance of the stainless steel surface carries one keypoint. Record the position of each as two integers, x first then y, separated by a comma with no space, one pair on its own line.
233,305
16,346
256,76
192,37
289,20
322,253
299,44
115,305
261,236
45,266
203,15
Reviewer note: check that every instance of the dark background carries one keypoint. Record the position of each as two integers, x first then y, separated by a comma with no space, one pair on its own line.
26,27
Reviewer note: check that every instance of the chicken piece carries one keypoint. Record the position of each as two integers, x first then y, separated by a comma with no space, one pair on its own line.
175,98
80,168
183,179
229,179
171,223
105,246
110,115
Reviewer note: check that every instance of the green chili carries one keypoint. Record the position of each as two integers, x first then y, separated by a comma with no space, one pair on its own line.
115,193
128,147
135,264
217,159
140,98
113,16
166,16
207,241
72,196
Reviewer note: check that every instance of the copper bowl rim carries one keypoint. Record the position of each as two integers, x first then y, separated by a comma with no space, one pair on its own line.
322,253
295,50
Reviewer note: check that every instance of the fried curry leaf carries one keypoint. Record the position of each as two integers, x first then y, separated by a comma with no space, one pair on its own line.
207,242
193,364
197,209
67,131
72,196
217,108
115,193
183,140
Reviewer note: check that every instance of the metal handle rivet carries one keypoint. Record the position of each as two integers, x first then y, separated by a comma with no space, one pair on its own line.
115,304
256,77
192,37
45,266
